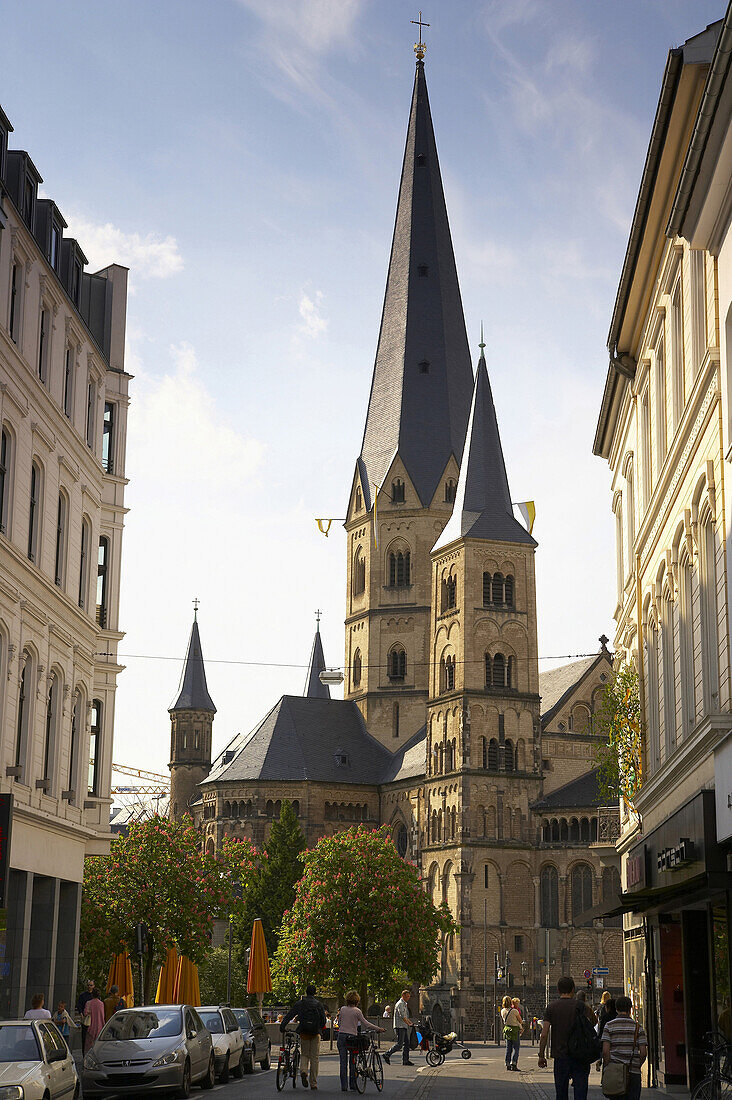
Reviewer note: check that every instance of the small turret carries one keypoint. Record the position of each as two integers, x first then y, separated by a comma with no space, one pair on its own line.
191,719
314,689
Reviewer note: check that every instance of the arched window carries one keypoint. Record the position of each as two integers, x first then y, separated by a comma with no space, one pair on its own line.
34,513
62,515
25,706
584,830
510,760
708,604
447,673
450,491
555,831
397,491
400,569
401,839
487,589
545,832
580,718
397,663
51,738
677,353
84,562
508,588
484,752
549,890
227,808
453,823
499,670
95,748
359,500
5,460
434,826
660,380
269,808
102,581
574,831
359,572
296,807
497,588
563,829
493,755
395,719
449,593
581,891
75,746
357,668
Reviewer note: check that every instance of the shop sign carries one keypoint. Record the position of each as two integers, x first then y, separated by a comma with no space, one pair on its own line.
635,871
669,859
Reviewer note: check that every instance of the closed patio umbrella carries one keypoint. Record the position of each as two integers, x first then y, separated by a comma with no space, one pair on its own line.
187,991
259,979
166,981
120,974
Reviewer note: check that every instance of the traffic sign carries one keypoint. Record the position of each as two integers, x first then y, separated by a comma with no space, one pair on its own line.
600,970
587,974
599,982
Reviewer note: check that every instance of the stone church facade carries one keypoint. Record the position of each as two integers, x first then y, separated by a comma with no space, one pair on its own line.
482,768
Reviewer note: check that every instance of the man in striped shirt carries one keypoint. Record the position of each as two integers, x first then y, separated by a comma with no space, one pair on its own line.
623,1040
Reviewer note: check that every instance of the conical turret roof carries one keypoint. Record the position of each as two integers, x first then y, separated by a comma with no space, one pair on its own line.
313,687
193,694
422,381
483,508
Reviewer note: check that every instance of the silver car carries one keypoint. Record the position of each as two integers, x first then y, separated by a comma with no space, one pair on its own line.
35,1063
143,1051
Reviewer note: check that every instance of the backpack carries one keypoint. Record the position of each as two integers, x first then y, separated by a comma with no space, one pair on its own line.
309,1016
583,1044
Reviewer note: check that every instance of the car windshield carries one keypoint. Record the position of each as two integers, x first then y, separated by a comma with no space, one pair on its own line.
242,1018
163,1024
18,1044
212,1020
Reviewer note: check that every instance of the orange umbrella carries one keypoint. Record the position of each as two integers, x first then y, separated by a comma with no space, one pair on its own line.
120,974
166,981
187,990
259,979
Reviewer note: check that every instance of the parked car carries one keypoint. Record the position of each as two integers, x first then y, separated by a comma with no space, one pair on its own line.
151,1049
257,1045
228,1041
35,1062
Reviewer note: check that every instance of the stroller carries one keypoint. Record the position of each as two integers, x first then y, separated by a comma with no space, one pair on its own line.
440,1044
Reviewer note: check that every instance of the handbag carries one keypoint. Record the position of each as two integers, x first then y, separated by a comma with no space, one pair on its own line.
413,1040
614,1081
86,1019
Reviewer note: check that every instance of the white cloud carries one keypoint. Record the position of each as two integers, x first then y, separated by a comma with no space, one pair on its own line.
313,322
316,25
148,256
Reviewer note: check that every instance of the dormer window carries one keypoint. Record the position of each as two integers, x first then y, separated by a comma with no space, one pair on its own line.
29,199
450,488
341,759
422,270
55,247
421,160
397,491
424,366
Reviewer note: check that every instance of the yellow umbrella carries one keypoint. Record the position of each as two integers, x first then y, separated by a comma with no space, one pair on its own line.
187,990
166,981
120,974
259,979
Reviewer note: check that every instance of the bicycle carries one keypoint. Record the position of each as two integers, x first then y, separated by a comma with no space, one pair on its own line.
717,1083
367,1063
288,1063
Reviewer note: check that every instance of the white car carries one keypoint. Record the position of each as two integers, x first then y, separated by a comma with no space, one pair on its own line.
228,1041
35,1062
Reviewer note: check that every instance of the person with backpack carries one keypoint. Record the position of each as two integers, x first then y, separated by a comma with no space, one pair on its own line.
310,1022
574,1044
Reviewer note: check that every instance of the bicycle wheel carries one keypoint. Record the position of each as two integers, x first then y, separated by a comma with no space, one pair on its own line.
713,1088
362,1072
295,1066
377,1071
283,1072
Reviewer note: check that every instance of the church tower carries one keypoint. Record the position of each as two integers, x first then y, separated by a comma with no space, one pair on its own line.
483,728
406,475
191,720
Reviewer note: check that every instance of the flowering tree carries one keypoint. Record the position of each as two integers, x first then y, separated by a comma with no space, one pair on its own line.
619,722
157,874
360,916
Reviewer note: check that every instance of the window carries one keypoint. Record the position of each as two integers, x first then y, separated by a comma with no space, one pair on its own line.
102,581
43,335
450,488
686,647
91,401
708,603
359,572
497,588
508,590
630,518
698,307
401,839
34,512
581,891
400,569
518,944
68,382
61,522
449,593
15,292
395,719
424,366
447,673
652,696
95,748
23,725
499,671
359,500
397,491
493,755
74,746
645,433
619,557
677,353
549,890
28,202
487,588
55,247
397,663
4,479
509,756
660,401
484,752
108,438
422,270
669,673
84,562
357,668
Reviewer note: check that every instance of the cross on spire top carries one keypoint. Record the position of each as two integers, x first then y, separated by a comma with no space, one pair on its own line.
419,47
196,604
318,613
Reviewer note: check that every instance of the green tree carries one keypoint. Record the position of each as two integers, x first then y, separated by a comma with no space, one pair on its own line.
360,916
619,722
213,976
157,874
271,891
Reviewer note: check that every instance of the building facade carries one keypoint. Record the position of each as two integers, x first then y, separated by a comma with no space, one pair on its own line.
63,411
663,430
483,770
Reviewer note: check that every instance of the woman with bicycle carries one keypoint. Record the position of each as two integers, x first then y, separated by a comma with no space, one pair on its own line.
350,1019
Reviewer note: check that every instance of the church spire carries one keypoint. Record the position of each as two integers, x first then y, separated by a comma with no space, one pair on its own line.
422,380
313,687
483,508
193,693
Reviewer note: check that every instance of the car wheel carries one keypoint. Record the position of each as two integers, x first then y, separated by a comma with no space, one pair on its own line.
266,1063
209,1080
185,1086
238,1069
224,1075
248,1063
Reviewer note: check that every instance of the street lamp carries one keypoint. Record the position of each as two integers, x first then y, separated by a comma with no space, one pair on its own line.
524,971
332,676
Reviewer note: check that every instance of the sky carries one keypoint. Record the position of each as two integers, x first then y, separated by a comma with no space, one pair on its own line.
242,157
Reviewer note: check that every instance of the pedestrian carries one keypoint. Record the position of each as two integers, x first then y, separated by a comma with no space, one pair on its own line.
386,1014
310,1022
37,1011
81,1008
95,1012
511,1032
560,1016
582,996
515,1001
350,1022
113,1003
402,1027
624,1043
63,1021
607,1012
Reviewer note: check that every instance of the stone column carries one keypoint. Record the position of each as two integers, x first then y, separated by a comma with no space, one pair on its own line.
537,901
563,901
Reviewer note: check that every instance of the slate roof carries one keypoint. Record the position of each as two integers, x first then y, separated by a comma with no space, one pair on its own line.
419,412
193,693
313,687
483,508
579,794
301,738
409,762
557,683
